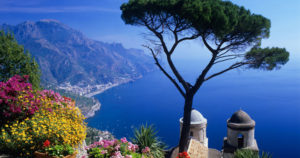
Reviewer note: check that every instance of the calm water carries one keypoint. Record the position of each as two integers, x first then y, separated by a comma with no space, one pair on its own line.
272,99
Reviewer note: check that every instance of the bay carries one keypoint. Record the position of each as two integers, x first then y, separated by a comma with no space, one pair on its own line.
272,99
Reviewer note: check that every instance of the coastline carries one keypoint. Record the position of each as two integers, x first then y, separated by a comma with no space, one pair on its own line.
99,91
90,91
97,106
92,111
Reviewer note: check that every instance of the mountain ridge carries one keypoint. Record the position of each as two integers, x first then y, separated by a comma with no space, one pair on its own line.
67,57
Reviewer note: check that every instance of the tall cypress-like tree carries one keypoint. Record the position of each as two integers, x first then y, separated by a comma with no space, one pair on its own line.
15,61
225,29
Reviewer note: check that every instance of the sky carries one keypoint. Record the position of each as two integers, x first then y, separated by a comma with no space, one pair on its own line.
101,20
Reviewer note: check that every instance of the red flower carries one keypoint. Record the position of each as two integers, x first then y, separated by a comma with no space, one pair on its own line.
183,155
47,143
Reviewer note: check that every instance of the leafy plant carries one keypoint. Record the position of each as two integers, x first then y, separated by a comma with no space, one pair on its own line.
245,153
146,137
59,150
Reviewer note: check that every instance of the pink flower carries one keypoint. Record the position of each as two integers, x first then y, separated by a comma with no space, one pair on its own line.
117,154
128,156
117,147
146,150
136,147
124,140
132,147
103,151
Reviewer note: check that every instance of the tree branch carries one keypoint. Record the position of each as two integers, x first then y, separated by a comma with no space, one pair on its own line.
201,77
165,72
207,45
159,36
225,60
232,55
234,66
176,73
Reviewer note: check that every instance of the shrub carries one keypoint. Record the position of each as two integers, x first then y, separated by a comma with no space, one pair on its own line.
245,153
114,149
17,99
145,137
55,119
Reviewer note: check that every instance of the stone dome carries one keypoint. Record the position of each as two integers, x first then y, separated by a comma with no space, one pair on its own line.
240,119
196,117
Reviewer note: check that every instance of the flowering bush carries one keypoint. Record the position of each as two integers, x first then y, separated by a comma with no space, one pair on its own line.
183,155
55,118
17,99
115,149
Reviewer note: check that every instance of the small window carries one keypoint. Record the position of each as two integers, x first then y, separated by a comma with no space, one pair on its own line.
191,134
240,141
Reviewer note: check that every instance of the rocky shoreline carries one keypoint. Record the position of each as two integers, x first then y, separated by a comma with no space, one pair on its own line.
93,109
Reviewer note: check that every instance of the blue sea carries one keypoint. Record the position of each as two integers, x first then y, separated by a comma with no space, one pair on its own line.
272,99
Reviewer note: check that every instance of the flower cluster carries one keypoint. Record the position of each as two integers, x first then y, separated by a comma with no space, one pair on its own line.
114,149
17,99
55,119
183,155
146,150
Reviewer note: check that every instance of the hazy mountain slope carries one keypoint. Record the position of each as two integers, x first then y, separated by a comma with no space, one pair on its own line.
66,55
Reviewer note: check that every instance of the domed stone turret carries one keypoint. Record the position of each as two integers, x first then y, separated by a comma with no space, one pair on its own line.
196,117
197,127
240,134
240,117
240,120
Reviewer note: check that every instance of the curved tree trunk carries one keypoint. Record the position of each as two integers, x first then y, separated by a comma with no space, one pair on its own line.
186,123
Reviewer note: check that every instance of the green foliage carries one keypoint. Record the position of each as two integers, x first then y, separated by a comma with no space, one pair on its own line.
60,150
96,153
245,153
267,58
13,61
219,20
146,137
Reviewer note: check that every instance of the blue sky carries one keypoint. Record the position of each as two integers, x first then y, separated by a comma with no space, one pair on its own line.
100,20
